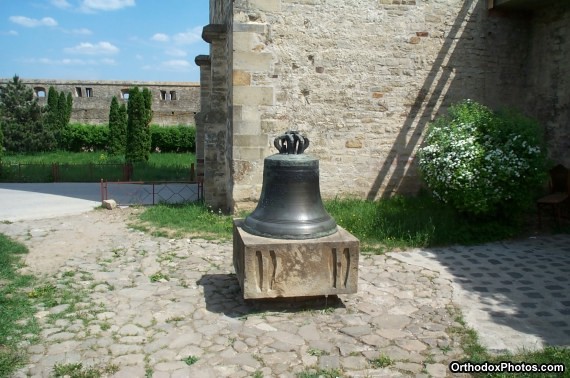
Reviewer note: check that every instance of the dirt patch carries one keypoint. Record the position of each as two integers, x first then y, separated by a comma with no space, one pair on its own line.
53,241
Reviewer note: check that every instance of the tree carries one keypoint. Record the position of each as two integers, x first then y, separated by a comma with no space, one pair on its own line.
21,119
69,108
57,112
138,121
117,128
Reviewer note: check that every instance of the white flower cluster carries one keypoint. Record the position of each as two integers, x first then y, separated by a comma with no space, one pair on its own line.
462,166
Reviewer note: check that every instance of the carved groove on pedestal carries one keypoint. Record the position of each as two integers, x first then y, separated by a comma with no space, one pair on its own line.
273,267
259,270
332,267
266,269
346,265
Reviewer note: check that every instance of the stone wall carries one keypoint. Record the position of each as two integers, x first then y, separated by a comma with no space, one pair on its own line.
548,94
363,78
173,103
215,118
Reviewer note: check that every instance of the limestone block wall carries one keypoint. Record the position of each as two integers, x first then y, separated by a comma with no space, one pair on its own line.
215,120
362,79
173,103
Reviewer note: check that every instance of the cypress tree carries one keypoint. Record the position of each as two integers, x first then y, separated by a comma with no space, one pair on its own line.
138,146
117,128
61,116
69,108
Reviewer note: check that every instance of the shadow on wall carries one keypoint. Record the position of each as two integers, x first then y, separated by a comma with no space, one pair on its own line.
481,59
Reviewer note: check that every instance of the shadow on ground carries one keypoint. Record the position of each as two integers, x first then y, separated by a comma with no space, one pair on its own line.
223,295
521,285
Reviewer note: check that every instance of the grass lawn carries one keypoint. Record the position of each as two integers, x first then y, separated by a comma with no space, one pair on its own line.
17,322
389,224
92,167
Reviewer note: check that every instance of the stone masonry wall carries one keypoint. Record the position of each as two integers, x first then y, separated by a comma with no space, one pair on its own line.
173,103
362,79
215,116
549,77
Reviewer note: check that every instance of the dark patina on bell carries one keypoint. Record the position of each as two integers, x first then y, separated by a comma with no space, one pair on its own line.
290,205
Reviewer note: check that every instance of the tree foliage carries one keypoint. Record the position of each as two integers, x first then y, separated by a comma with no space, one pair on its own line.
482,162
139,115
21,119
117,128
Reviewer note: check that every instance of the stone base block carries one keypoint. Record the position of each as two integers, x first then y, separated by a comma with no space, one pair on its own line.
273,268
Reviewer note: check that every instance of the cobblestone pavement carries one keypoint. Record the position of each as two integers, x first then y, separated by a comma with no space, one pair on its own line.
516,295
150,306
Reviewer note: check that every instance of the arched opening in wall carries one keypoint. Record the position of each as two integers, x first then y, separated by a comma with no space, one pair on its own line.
125,94
78,92
40,92
88,92
173,96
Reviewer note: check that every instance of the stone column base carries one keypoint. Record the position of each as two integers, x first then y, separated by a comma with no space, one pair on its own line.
273,268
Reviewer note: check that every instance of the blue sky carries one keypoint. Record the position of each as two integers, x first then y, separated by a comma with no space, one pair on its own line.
147,40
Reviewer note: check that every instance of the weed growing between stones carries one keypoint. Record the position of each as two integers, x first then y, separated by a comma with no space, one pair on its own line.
381,361
190,360
320,373
77,370
316,352
159,276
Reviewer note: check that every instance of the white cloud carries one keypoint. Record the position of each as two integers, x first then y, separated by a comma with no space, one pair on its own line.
176,63
71,62
32,22
93,49
82,31
189,36
9,32
160,37
62,4
106,5
176,52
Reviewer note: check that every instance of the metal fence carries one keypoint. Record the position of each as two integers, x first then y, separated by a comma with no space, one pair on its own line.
152,192
38,172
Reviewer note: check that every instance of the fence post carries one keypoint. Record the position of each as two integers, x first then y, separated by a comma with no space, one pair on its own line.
192,172
101,188
54,171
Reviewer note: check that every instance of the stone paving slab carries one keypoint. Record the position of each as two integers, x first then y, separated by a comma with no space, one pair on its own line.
147,304
516,295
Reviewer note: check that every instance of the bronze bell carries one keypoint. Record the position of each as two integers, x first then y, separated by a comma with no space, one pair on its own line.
290,205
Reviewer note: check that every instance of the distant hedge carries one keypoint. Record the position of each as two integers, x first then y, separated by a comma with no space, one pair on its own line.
80,137
173,138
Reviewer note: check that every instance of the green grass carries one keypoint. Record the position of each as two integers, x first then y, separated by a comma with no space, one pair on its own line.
77,370
195,219
420,221
63,157
384,225
320,373
93,166
16,308
476,353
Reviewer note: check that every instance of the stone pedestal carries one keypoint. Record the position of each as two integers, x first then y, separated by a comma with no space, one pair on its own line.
272,268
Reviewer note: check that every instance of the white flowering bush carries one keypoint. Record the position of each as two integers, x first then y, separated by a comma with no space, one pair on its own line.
482,162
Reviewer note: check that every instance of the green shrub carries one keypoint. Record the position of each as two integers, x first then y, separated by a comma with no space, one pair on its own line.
79,137
139,115
117,142
483,162
173,138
